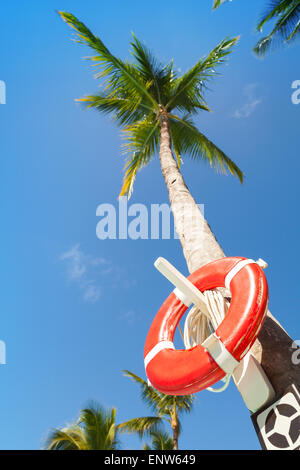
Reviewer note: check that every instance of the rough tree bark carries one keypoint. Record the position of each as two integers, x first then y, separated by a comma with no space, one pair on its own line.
175,426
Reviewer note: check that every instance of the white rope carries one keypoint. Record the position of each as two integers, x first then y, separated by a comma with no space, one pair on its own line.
200,324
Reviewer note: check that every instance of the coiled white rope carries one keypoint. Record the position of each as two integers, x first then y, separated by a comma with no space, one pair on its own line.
199,325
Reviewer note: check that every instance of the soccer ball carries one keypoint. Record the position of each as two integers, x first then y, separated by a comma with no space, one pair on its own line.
282,427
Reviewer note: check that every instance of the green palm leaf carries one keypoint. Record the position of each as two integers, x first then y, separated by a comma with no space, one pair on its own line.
124,109
278,8
95,429
161,77
188,140
218,3
119,75
286,28
188,87
142,426
99,426
149,395
159,441
141,143
71,438
183,402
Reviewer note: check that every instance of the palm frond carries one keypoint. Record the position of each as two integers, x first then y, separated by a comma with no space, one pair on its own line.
146,447
218,3
295,32
183,403
159,402
100,427
118,75
149,395
142,426
276,8
189,140
95,429
124,110
286,28
160,441
152,71
189,85
70,438
141,142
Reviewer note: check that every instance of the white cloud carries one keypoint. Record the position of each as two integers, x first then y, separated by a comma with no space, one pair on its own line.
78,271
92,292
89,273
128,316
251,104
76,263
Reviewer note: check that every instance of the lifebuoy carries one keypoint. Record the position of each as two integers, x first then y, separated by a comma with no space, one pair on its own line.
182,372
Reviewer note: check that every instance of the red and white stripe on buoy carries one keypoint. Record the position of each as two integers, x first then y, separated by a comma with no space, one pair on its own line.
182,372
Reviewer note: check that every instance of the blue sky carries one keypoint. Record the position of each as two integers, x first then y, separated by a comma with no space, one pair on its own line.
75,310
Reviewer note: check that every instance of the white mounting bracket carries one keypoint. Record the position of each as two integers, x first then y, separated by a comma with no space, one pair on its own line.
253,383
185,290
249,377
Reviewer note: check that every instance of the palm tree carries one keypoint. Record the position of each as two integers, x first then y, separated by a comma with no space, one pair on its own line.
95,429
286,14
166,409
159,441
155,107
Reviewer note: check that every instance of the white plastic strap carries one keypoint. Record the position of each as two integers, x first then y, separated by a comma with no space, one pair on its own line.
235,270
219,353
157,348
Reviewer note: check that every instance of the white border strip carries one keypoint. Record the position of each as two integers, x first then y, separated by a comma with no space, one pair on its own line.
157,348
235,270
219,353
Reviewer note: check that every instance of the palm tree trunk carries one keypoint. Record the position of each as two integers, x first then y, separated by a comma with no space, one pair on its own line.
175,437
198,242
175,426
274,347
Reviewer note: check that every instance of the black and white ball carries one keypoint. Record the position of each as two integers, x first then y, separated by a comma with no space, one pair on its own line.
282,427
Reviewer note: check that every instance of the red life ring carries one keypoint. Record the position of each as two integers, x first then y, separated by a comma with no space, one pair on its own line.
182,372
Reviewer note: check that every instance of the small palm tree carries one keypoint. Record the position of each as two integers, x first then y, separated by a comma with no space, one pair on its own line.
286,14
166,409
95,429
159,441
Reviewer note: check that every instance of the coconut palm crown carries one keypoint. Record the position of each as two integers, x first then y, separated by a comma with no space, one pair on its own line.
95,429
140,93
